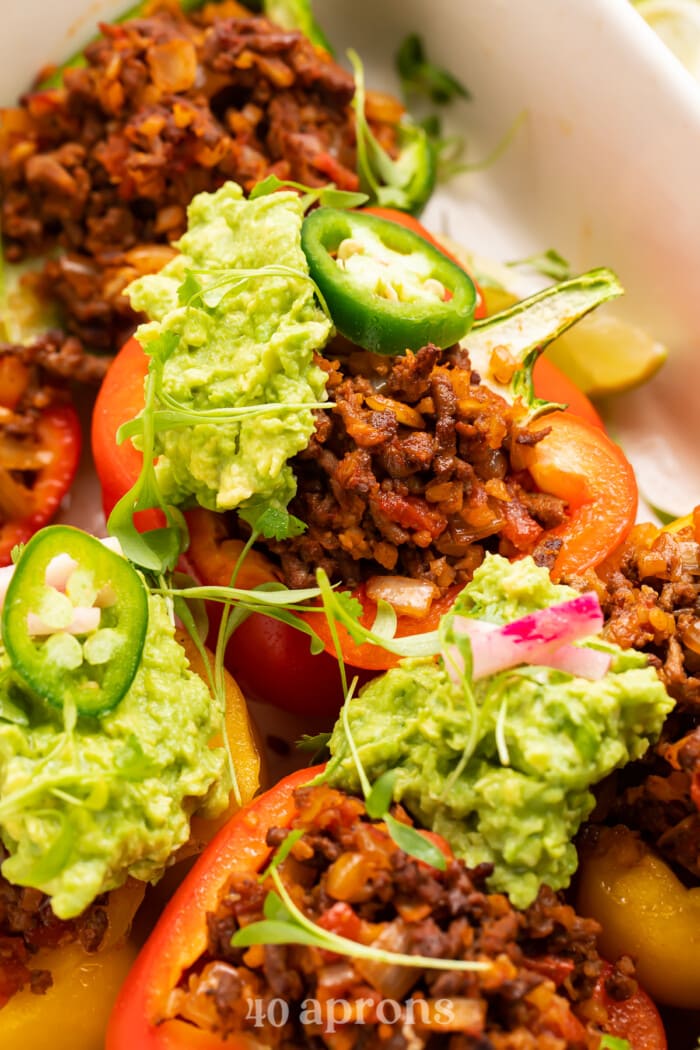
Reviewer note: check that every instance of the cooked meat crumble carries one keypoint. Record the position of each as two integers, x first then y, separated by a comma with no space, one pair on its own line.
167,105
27,924
348,876
416,473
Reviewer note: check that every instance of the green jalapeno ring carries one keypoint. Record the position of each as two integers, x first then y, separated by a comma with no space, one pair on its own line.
369,319
97,687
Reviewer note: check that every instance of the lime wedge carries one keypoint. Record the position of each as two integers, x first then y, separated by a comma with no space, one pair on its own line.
604,355
677,23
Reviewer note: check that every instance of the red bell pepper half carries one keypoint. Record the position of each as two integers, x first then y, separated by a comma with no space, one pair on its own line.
25,506
138,1020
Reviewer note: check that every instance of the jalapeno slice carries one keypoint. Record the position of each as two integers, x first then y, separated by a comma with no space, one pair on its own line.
76,637
386,288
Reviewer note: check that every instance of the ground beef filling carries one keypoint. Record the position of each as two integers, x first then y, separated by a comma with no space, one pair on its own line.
414,473
166,106
347,875
27,924
650,594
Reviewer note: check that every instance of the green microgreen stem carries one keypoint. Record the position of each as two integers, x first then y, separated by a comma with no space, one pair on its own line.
500,733
281,853
328,196
287,924
338,607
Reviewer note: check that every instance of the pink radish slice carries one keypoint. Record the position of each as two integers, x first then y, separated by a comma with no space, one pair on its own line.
583,663
537,638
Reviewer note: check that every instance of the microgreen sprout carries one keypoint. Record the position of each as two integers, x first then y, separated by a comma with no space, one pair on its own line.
340,607
328,196
158,549
281,853
285,923
419,76
378,800
403,182
450,642
549,263
316,743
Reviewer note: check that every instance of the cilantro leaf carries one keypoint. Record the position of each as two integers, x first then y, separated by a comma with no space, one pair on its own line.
272,522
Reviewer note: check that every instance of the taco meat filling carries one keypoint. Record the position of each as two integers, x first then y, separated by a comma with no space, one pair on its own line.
166,106
650,594
415,473
347,875
28,924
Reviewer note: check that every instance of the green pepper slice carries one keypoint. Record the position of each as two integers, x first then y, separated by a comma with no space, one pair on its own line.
387,290
91,669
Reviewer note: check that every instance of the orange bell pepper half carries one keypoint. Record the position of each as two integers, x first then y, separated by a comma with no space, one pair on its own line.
580,464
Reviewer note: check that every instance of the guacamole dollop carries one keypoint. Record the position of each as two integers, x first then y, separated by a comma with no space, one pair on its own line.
83,807
503,767
239,339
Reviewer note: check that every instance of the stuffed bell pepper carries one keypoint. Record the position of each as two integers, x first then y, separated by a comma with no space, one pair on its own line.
322,391
116,760
408,894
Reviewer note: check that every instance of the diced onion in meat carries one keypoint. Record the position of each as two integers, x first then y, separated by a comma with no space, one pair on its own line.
393,982
458,1014
408,597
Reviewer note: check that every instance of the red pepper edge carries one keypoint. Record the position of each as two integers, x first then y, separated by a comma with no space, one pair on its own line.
181,934
59,431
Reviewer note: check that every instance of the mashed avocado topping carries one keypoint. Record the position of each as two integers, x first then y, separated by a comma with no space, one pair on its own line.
240,338
83,807
503,767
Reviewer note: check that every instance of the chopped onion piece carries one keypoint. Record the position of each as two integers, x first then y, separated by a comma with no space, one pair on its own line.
467,1016
541,638
391,981
84,621
408,597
